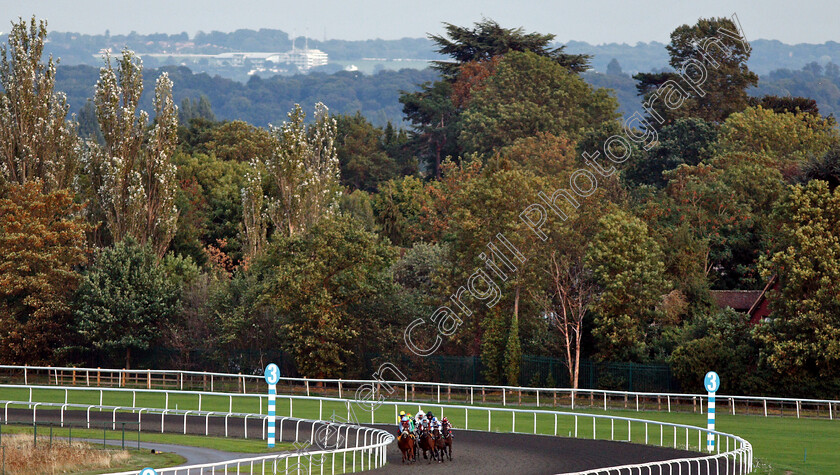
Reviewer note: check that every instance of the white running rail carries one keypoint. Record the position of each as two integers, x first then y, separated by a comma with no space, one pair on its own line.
425,391
732,452
368,453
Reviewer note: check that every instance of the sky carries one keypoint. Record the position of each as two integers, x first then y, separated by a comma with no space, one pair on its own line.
593,21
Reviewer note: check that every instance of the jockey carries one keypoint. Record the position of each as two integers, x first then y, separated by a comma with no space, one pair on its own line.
402,423
410,423
435,423
424,422
418,419
445,422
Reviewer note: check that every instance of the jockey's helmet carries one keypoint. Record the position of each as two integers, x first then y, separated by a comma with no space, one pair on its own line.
402,413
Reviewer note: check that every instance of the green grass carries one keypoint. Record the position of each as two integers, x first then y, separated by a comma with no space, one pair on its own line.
779,443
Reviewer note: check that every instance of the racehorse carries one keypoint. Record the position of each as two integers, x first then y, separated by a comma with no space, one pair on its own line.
427,444
447,439
440,445
406,445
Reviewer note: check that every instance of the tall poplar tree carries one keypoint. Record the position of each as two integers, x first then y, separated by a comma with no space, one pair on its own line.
36,139
133,171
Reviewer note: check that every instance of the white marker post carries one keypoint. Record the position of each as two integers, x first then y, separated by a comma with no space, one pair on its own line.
712,384
272,376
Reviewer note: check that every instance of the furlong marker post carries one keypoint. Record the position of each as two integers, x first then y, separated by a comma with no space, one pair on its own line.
272,376
712,384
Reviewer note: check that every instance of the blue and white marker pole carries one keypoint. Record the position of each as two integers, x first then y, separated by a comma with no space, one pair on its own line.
272,376
148,471
712,384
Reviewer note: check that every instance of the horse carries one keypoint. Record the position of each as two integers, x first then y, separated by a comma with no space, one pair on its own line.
447,439
427,444
406,444
440,445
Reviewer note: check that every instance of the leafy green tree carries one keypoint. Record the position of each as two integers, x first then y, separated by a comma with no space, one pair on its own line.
434,121
431,110
192,109
801,339
314,277
529,94
725,85
41,244
36,139
721,341
124,299
361,156
826,168
235,141
398,208
359,205
628,266
779,140
513,354
487,201
488,39
210,204
701,200
780,105
687,141
397,145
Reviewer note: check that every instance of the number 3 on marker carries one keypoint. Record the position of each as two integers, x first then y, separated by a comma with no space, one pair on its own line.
272,374
712,382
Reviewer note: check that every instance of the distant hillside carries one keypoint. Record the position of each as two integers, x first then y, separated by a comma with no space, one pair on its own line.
75,48
767,55
264,101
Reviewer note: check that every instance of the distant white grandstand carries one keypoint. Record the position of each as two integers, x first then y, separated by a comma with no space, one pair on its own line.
304,59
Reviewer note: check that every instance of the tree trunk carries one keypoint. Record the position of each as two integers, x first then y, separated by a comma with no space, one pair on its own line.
128,358
516,305
577,363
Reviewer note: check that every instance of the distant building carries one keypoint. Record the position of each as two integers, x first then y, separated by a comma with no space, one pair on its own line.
304,59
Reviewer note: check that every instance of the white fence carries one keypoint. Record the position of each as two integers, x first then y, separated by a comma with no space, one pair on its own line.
733,454
370,443
422,391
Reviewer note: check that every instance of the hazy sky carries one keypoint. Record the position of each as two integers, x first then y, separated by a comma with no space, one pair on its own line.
594,21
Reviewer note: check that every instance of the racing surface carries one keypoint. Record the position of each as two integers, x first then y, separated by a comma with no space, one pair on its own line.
473,452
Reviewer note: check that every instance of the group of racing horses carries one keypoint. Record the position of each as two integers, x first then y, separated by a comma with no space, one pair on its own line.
437,441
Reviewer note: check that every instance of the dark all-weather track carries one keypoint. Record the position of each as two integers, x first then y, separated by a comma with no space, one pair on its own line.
473,452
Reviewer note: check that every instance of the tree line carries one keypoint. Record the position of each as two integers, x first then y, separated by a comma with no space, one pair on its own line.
326,235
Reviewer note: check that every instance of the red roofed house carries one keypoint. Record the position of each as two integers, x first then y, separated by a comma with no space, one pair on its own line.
752,302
